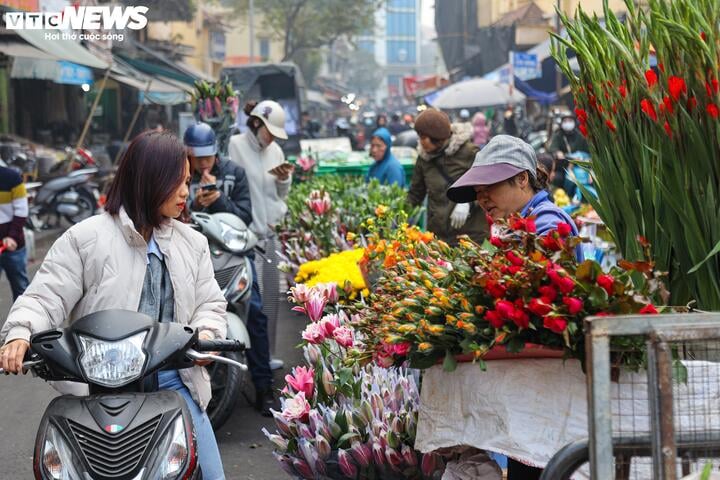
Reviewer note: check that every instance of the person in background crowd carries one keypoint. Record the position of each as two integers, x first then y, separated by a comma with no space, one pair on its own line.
13,215
342,129
309,127
509,124
381,121
396,126
269,178
230,192
464,115
566,140
481,132
136,256
445,152
386,168
409,121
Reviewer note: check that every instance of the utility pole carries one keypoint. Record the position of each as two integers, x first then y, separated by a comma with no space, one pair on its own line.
251,18
558,74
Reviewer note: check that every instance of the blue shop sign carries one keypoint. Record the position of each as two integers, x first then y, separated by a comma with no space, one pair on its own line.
73,74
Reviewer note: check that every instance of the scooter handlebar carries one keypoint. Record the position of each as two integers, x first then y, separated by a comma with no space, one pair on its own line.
219,346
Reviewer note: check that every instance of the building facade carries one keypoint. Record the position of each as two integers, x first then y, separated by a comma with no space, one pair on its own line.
395,43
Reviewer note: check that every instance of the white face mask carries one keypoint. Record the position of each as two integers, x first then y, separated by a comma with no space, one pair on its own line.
568,126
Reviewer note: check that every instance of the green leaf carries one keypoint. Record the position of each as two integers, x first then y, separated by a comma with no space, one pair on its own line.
346,439
598,297
515,345
586,270
449,364
712,253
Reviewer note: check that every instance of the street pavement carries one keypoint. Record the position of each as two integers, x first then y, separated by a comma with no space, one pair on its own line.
246,453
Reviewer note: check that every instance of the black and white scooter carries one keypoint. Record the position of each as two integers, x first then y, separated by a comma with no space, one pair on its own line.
119,431
230,241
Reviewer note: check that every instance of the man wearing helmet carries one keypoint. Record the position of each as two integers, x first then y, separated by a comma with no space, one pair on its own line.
216,185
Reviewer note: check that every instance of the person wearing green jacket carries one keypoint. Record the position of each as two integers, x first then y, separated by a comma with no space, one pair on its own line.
445,152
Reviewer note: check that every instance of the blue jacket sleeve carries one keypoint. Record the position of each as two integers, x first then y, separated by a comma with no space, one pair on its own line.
395,174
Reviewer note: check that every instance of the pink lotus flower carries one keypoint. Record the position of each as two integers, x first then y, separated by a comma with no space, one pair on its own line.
299,293
319,202
296,408
329,291
378,453
218,106
314,333
303,469
315,305
394,458
330,323
302,380
306,163
344,336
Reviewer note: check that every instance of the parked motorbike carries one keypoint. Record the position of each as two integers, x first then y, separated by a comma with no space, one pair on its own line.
118,431
230,243
71,196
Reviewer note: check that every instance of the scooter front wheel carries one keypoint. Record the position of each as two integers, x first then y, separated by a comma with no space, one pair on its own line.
227,384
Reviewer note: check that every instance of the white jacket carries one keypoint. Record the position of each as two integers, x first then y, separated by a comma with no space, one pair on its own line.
100,264
267,193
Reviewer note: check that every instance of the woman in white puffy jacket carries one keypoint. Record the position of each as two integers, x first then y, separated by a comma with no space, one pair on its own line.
135,256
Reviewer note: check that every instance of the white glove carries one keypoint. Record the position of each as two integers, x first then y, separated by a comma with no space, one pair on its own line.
459,215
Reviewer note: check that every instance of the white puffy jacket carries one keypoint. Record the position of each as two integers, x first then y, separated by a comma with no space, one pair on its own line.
100,264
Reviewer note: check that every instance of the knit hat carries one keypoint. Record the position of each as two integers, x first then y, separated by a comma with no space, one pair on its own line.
434,124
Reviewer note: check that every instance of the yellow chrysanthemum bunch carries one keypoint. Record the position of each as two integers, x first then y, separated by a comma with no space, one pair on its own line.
339,268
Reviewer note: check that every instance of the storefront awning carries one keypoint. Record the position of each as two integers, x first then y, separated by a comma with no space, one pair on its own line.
160,91
58,71
18,49
60,48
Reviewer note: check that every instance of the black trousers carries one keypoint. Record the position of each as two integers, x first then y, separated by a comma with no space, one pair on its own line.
519,471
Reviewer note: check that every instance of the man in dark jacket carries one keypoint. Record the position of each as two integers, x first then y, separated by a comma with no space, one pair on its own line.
216,185
445,152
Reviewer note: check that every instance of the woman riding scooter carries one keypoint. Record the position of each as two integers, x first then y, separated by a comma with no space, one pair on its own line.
135,256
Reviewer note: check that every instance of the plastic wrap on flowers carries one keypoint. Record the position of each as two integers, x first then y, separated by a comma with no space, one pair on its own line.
339,420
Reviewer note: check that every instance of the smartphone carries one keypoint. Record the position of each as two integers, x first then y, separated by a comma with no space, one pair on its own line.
285,165
209,187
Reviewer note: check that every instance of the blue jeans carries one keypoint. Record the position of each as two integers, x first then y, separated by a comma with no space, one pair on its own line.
14,264
208,453
258,355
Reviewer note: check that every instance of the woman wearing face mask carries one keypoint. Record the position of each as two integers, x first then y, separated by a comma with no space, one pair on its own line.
566,140
269,178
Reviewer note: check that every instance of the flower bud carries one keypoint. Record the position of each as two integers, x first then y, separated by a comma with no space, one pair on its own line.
347,466
285,463
394,459
303,469
429,464
409,455
323,447
327,380
280,443
393,440
361,453
378,454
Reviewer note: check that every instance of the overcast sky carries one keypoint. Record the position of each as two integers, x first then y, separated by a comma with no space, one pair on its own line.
428,12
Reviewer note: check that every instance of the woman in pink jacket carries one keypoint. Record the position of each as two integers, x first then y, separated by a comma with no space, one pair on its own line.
481,132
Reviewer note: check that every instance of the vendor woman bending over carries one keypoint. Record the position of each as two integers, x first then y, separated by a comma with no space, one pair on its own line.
505,179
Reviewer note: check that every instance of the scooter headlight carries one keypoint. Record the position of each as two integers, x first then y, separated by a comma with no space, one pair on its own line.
175,448
235,240
113,364
57,459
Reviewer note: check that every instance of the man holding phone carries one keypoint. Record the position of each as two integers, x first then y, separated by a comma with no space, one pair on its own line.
216,185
